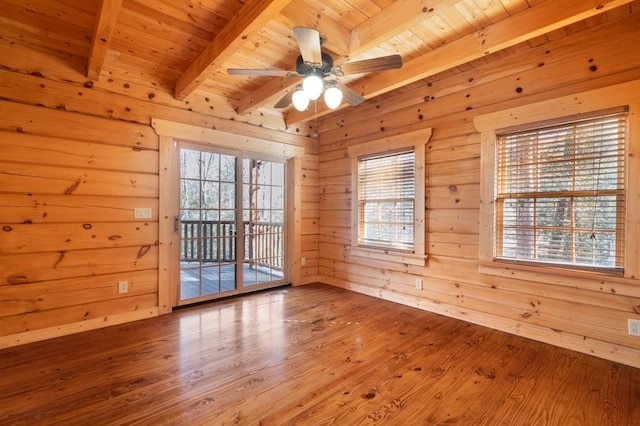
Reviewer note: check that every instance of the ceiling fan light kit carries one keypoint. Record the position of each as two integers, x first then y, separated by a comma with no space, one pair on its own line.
311,89
314,65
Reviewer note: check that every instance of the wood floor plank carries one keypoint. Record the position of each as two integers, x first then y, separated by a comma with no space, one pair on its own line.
310,355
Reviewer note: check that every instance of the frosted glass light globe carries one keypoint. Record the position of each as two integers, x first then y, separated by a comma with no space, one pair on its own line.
313,86
333,97
300,100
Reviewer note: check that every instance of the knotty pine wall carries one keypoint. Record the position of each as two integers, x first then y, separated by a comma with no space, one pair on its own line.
585,316
76,158
69,186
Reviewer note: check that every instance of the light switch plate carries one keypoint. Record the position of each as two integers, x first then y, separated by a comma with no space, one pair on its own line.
142,213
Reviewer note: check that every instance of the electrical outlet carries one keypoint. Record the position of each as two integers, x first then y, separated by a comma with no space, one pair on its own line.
634,327
303,261
123,286
418,284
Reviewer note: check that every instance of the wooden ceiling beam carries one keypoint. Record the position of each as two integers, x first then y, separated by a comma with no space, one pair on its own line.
530,23
106,18
268,93
250,18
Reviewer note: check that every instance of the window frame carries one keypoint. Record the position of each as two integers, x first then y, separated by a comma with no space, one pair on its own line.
584,103
415,140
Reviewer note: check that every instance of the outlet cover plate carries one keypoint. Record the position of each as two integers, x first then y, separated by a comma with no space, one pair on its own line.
123,286
634,327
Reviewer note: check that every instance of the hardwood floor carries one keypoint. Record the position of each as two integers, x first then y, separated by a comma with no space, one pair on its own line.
311,355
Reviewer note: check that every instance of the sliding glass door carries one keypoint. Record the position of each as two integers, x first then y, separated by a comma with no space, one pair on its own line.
231,223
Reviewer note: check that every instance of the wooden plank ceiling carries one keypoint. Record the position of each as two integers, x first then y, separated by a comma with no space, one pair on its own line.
186,46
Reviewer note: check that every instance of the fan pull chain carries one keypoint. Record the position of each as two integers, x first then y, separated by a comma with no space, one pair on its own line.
315,119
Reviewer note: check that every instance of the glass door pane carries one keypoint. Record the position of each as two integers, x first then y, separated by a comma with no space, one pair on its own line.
208,226
263,207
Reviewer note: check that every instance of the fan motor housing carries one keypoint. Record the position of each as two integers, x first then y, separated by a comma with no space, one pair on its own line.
327,65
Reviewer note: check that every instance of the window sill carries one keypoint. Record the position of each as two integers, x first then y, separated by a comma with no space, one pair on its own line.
389,255
546,274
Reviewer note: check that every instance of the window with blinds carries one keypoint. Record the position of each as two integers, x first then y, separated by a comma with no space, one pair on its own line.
560,193
386,194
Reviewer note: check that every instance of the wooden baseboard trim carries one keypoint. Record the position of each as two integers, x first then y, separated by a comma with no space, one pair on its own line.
76,327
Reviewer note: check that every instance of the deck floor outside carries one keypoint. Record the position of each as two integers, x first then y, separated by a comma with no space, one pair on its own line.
220,278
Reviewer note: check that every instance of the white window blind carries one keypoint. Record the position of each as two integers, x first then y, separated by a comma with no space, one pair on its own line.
386,194
560,193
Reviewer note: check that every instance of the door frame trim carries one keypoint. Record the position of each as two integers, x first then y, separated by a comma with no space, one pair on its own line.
169,240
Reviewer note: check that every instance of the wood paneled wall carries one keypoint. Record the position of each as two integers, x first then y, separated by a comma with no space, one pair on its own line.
76,158
585,315
69,187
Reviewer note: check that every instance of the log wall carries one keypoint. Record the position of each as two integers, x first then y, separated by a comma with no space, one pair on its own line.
588,315
68,190
77,157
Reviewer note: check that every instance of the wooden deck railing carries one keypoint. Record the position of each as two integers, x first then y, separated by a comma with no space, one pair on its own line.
212,241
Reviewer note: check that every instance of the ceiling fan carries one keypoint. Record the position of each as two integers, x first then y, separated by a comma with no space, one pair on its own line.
316,67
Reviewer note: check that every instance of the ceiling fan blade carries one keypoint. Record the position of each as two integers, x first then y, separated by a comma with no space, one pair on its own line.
370,65
309,43
348,95
286,100
268,73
